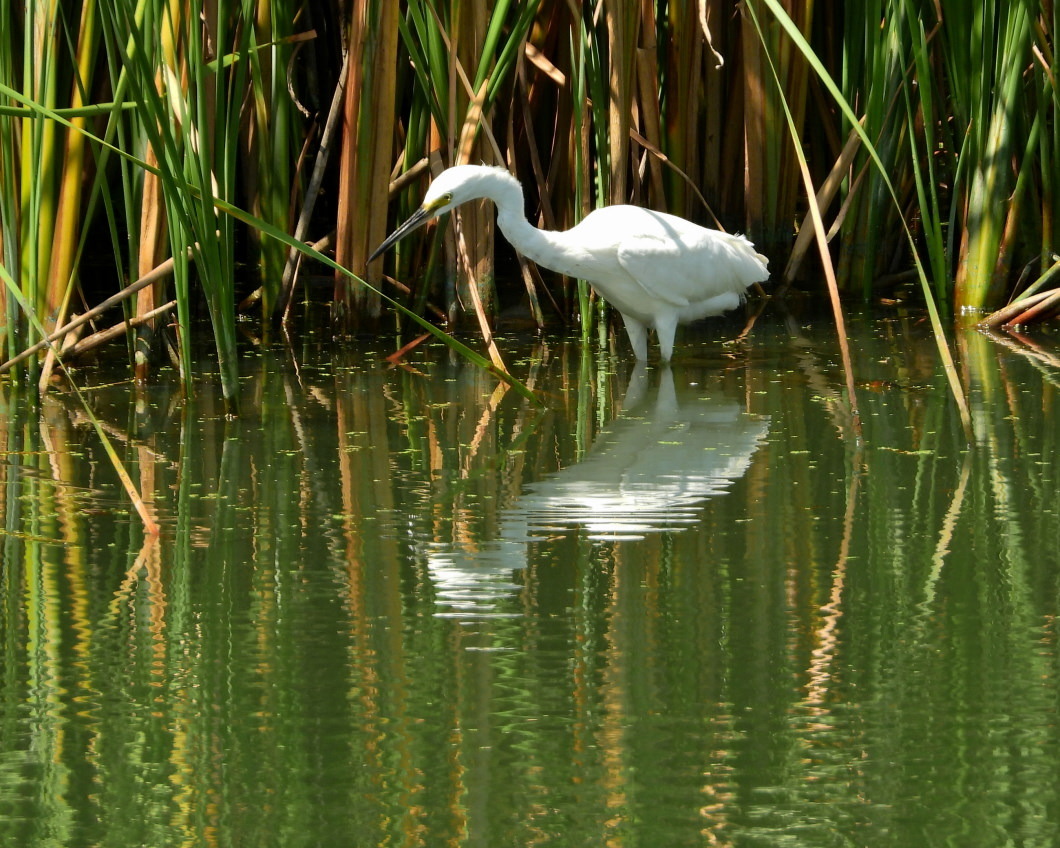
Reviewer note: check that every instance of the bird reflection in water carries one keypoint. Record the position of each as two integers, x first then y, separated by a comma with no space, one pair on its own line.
649,471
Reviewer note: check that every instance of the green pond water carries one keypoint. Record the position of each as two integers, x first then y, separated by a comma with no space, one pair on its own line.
401,606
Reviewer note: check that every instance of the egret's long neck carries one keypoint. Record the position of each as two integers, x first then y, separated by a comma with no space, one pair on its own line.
539,245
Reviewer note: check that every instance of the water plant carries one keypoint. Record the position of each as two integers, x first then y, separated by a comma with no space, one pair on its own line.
936,149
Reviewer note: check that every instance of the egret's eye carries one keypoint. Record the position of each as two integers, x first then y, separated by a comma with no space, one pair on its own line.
439,202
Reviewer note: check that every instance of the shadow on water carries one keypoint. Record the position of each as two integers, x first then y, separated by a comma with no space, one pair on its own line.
676,607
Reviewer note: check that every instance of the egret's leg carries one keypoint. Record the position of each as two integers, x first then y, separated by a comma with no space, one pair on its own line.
666,328
638,336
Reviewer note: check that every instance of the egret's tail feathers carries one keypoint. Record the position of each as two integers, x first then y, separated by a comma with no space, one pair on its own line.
758,265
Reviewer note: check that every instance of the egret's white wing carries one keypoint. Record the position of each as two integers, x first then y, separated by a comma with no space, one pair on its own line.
658,268
679,264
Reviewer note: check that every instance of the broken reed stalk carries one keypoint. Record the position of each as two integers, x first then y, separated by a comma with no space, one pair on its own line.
98,339
1027,301
1023,311
1040,311
313,190
155,275
825,194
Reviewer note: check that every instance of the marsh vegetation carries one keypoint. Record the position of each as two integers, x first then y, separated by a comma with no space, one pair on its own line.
217,136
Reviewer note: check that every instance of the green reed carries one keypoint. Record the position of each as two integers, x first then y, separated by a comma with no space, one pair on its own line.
938,329
670,104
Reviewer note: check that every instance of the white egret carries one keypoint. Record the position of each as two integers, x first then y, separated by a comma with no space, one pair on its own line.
657,270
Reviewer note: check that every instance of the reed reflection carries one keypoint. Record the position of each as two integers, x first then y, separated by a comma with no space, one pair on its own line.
648,471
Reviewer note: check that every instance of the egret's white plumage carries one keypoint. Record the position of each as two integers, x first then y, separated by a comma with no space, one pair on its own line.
657,270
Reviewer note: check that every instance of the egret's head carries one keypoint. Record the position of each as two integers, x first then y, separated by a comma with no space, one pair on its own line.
449,189
458,185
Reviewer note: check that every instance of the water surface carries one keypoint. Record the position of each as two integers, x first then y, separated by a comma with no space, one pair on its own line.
703,605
